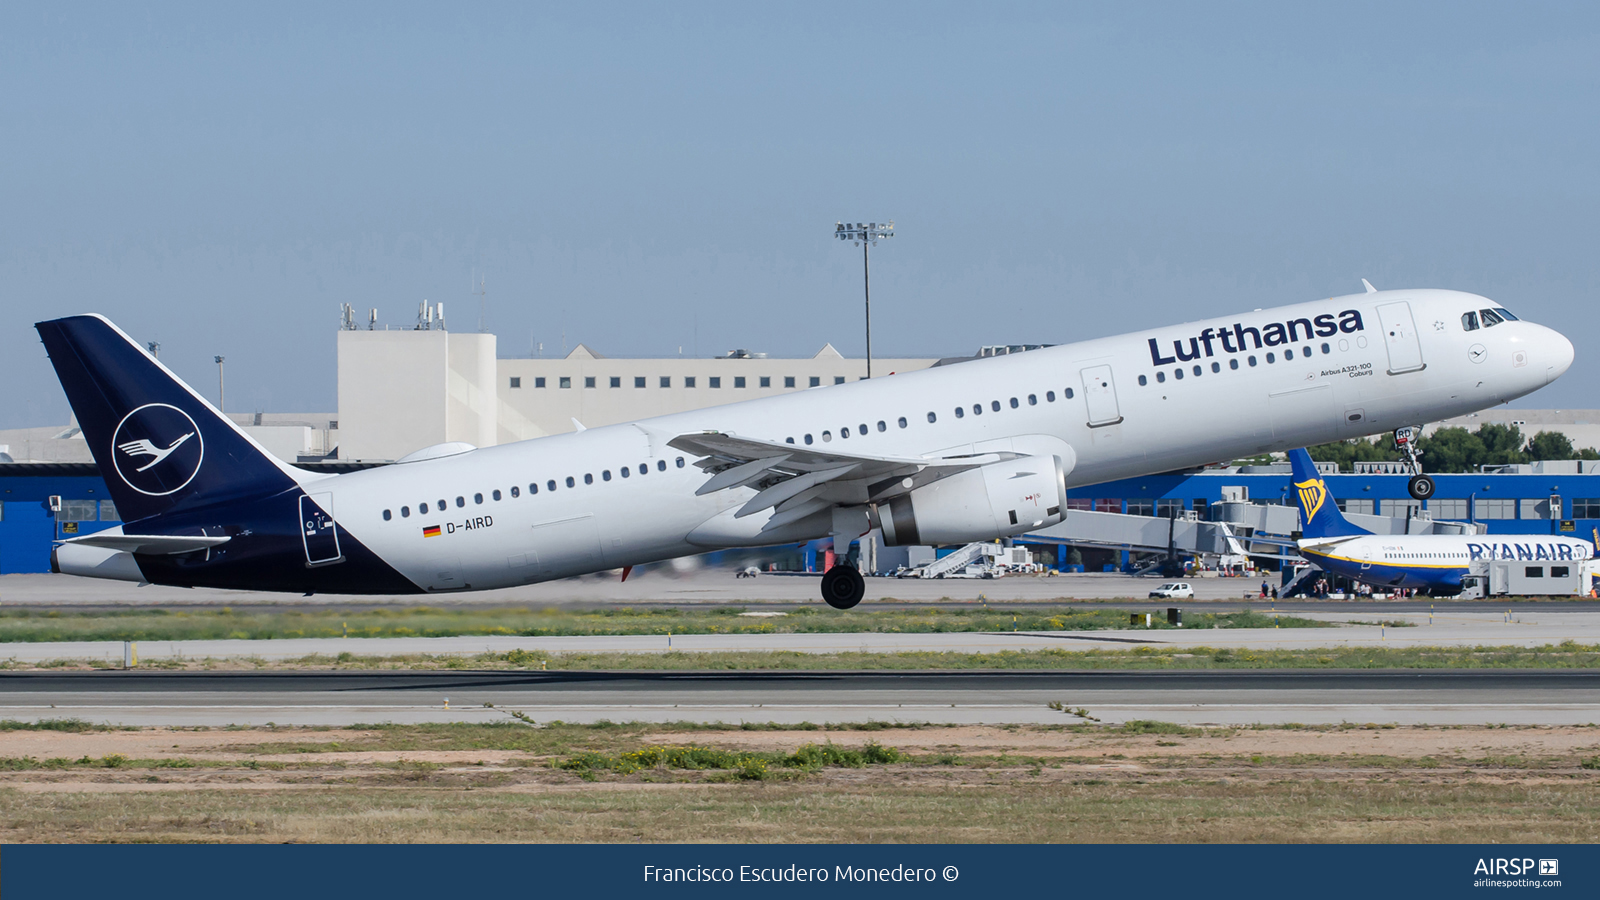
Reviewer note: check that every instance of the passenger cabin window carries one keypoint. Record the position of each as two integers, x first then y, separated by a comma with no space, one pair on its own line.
902,421
462,501
517,492
387,516
960,413
422,508
932,418
1067,393
477,498
405,512
661,465
1143,381
1033,399
588,478
1049,396
882,425
605,474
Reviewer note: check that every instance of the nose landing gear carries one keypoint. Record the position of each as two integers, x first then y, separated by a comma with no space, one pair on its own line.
1420,486
843,587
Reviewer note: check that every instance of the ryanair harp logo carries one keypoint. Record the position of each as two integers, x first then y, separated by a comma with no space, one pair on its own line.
1312,495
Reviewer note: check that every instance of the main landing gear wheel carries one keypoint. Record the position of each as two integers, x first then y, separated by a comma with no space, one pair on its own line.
843,587
1420,486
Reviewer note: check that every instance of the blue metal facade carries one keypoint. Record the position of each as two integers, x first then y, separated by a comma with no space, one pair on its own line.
1506,504
27,527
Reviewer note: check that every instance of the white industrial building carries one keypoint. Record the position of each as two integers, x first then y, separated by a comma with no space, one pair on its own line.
403,390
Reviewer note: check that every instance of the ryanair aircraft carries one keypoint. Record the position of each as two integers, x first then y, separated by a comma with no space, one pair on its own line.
1428,562
974,451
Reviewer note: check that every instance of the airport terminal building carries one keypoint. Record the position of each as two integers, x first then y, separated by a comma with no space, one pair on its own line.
400,391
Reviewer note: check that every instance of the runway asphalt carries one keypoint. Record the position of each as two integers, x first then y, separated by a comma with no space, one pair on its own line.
1440,697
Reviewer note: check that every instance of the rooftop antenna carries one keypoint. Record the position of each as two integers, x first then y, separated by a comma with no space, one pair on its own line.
864,236
372,319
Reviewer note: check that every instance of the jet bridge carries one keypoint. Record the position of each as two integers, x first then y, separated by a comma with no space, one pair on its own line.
1237,528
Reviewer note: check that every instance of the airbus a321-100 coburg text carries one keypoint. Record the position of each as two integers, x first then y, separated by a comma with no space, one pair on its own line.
974,451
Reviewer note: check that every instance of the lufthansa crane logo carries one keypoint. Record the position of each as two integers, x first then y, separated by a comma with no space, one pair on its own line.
1312,495
157,449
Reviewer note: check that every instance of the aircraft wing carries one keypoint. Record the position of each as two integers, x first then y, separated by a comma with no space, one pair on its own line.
802,480
151,544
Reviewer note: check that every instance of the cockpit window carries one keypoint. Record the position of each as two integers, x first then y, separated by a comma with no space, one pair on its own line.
1505,314
1490,318
1469,321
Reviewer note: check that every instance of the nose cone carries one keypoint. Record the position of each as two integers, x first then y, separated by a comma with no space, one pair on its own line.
1559,351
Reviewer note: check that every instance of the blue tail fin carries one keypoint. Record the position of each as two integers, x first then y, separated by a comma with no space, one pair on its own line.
1319,514
159,445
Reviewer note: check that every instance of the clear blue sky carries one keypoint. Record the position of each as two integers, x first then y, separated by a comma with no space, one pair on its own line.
220,177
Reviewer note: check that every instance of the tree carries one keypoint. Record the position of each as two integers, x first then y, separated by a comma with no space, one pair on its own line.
1555,445
1451,450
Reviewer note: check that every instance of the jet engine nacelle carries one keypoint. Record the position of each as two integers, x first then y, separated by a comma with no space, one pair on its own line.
994,501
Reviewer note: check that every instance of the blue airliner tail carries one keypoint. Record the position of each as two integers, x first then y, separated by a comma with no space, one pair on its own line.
159,445
1319,514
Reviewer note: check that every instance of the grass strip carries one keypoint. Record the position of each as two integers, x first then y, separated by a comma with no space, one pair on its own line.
746,765
226,623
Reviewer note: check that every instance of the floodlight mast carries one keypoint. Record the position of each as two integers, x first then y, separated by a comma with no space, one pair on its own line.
866,235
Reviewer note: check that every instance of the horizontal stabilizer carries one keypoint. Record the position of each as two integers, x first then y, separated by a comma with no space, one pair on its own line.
149,544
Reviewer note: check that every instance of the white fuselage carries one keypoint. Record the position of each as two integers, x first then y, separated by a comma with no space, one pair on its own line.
1097,404
1437,560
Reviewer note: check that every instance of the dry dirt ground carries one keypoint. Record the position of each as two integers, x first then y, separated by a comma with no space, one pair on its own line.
478,783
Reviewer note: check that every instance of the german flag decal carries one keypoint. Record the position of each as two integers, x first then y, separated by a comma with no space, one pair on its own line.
430,531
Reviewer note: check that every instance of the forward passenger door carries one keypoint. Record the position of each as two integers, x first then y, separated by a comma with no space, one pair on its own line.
1100,396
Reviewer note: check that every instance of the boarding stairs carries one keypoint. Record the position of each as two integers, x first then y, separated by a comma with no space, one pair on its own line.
958,560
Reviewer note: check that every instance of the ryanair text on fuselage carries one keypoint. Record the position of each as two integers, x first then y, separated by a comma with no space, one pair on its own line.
1232,338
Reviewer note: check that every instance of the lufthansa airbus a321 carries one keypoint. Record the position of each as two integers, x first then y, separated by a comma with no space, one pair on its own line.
974,451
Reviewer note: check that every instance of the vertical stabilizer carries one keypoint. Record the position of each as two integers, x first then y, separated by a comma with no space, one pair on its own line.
1319,514
159,445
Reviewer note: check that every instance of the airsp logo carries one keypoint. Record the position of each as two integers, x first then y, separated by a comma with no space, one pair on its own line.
157,449
1312,495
